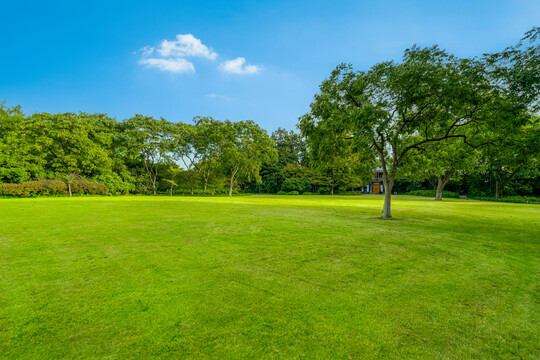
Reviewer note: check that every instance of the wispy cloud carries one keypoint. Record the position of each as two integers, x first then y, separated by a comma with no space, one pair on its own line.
238,66
178,65
217,96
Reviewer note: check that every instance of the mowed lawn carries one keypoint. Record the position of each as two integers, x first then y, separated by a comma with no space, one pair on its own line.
268,277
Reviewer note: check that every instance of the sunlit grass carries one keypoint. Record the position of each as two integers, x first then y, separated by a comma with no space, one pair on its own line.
268,277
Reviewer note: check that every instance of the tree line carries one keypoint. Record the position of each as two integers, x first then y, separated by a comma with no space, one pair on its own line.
432,118
136,155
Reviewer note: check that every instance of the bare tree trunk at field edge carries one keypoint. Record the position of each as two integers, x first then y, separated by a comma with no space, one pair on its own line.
231,185
234,171
387,213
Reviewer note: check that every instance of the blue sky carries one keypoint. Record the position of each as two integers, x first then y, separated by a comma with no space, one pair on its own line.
110,57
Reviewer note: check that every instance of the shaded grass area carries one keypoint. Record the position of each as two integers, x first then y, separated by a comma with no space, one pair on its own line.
268,277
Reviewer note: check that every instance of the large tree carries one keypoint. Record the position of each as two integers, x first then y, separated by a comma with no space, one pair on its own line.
394,109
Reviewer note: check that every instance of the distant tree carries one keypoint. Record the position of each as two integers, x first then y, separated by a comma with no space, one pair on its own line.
153,140
243,148
296,178
19,159
206,146
170,175
514,154
443,161
66,144
290,146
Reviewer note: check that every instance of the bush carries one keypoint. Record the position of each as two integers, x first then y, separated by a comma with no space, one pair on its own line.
512,199
10,189
293,193
207,192
33,188
307,193
296,184
115,184
282,192
88,187
51,187
433,193
202,192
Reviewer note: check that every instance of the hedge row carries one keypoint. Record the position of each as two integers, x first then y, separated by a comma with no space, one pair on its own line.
207,192
52,187
294,192
433,193
512,199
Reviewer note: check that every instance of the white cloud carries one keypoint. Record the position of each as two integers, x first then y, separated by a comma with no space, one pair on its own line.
237,66
170,55
184,46
217,96
178,65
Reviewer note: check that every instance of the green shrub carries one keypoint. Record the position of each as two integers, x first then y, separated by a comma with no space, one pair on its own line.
281,192
512,199
115,184
203,192
296,184
207,192
33,188
10,190
433,193
307,193
293,193
51,187
221,191
88,187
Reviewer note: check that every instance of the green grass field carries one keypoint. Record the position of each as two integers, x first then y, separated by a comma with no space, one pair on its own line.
268,277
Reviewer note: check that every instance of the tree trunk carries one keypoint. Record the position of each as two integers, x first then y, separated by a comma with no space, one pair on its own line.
387,213
231,186
388,182
233,173
498,188
191,190
333,182
154,187
442,180
171,190
440,187
69,188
